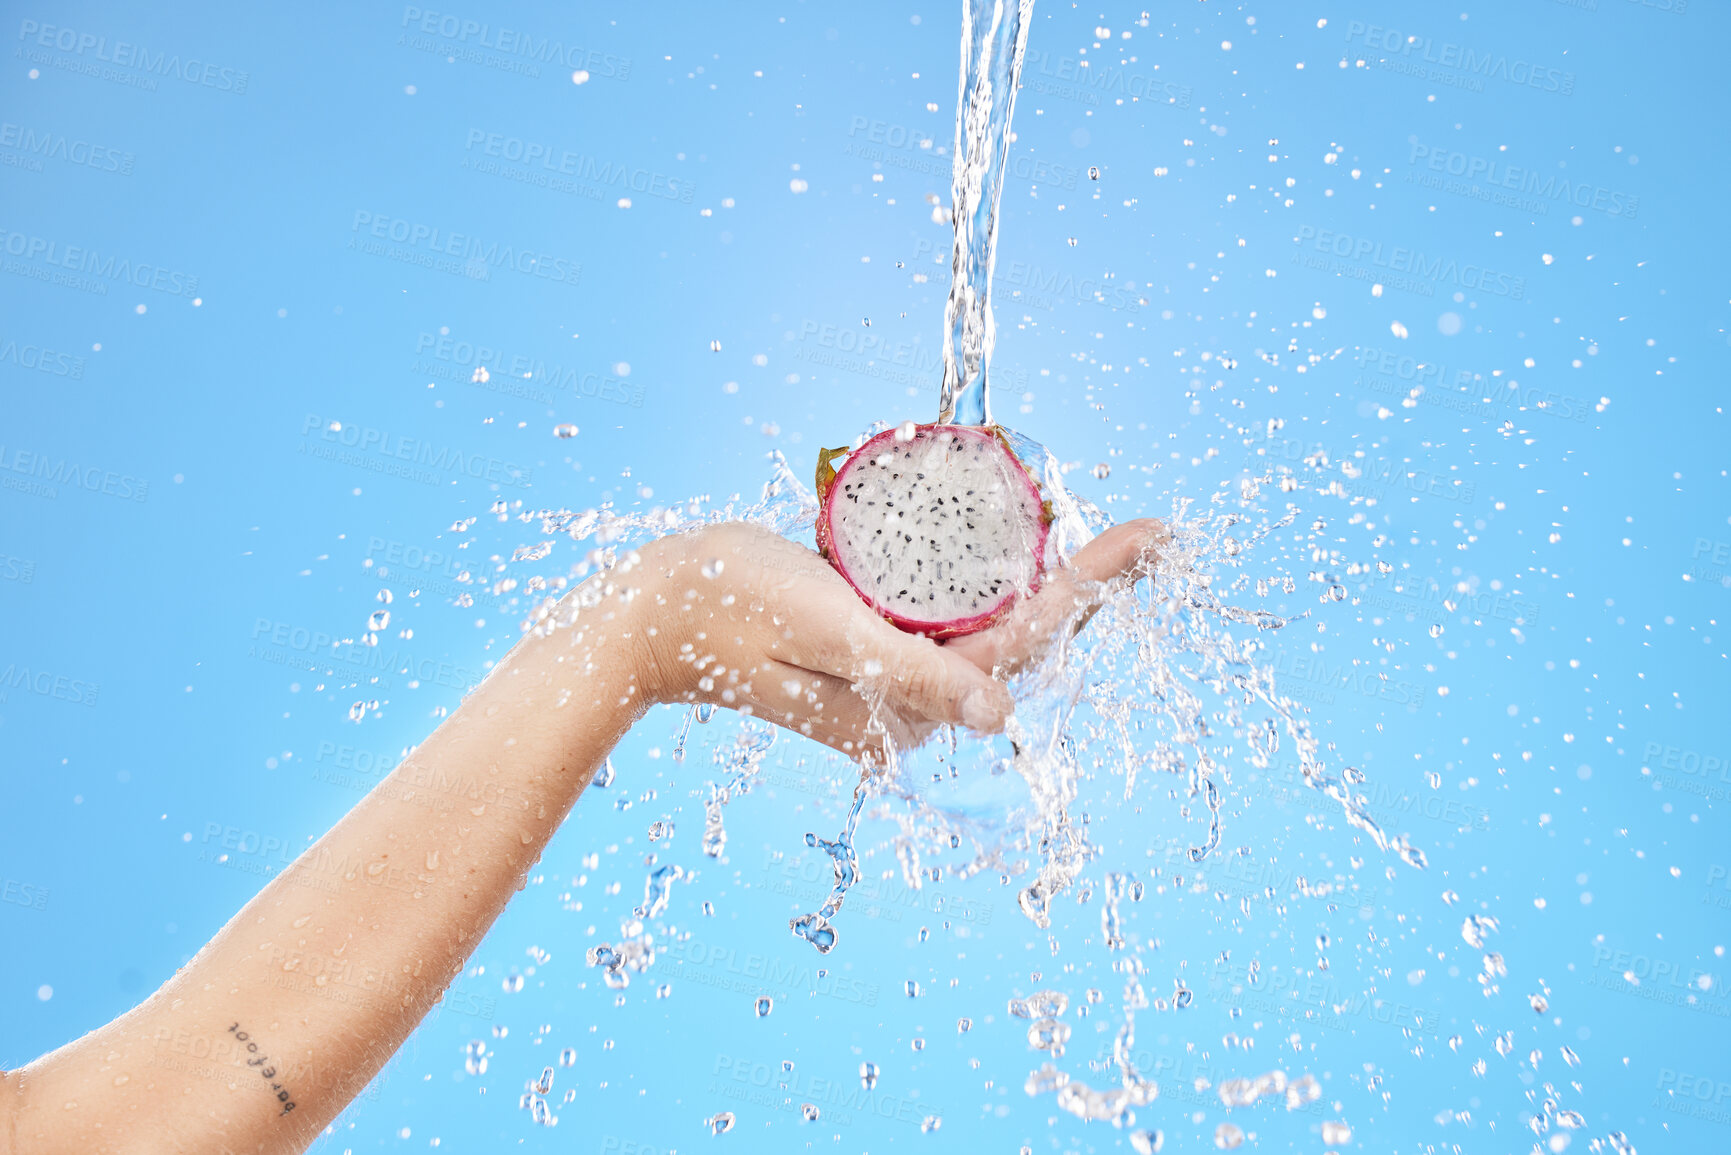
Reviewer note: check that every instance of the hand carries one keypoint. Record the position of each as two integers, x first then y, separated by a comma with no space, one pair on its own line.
736,616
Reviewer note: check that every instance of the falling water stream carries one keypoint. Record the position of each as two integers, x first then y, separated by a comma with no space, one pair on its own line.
994,40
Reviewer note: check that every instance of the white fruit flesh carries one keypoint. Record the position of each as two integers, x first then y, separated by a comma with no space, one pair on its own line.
942,530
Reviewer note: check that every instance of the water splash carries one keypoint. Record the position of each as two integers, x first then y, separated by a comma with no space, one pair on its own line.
1174,679
994,39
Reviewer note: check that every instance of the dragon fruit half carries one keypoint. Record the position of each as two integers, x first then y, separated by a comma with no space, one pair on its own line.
939,527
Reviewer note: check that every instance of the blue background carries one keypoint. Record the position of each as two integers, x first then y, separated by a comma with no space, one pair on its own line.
179,526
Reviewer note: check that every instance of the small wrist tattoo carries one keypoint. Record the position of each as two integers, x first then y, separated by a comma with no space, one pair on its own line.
265,1068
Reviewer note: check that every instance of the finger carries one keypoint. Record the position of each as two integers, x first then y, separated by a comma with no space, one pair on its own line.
815,704
1120,550
918,677
1067,597
828,709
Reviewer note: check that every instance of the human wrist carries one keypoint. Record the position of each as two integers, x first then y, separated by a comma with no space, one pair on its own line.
588,647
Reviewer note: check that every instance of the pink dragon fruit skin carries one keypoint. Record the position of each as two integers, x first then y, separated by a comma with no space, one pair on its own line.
939,532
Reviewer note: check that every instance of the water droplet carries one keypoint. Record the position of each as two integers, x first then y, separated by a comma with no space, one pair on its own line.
357,711
1102,471
906,431
721,1124
1093,172
919,1044
1436,630
868,1075
765,1004
1040,1005
1145,1142
568,1057
604,776
913,989
924,934
385,596
1228,1136
964,1025
930,1123
378,619
1336,1133
715,346
565,432
480,376
808,1112
713,567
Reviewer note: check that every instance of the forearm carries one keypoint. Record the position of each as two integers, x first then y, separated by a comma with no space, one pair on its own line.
332,965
